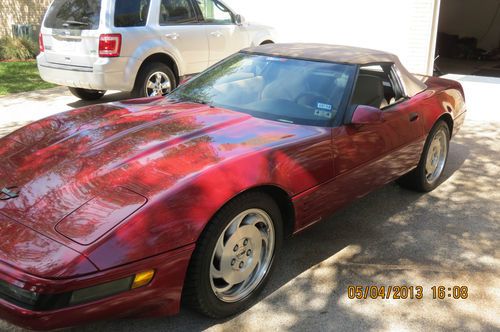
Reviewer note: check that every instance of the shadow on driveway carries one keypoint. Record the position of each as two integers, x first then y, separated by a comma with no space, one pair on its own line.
108,98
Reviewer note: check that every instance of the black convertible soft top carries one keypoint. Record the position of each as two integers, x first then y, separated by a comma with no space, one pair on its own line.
340,54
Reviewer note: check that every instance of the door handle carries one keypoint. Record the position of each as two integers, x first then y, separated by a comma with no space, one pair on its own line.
216,34
173,35
413,116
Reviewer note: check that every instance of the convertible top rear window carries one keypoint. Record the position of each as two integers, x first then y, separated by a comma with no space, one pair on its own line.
281,89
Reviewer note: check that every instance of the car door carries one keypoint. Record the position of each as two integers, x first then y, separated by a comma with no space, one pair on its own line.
179,27
370,155
225,37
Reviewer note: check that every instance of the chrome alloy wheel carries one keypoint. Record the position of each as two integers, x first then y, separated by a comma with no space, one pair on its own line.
158,84
436,156
242,255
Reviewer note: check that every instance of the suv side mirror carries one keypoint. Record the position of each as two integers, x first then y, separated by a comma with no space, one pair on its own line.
364,114
239,19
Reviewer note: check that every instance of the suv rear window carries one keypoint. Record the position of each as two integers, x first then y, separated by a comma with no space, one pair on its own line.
74,14
131,13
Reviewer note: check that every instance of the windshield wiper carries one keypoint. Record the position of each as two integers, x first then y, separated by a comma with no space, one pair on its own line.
68,23
193,100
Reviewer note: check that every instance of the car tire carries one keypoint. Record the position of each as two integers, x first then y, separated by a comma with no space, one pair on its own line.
429,171
231,263
159,75
87,94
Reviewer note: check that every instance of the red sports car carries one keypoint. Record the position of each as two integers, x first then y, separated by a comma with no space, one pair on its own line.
127,208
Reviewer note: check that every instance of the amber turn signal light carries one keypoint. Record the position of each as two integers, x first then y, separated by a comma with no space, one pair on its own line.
143,278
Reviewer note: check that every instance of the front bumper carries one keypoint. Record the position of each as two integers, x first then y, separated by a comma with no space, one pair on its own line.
160,297
109,74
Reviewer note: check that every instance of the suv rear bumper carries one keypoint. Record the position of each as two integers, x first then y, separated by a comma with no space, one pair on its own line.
108,75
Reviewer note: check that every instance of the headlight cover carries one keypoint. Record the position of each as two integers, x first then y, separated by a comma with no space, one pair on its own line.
98,216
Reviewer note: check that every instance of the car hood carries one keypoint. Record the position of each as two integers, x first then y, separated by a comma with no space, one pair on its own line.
24,249
103,162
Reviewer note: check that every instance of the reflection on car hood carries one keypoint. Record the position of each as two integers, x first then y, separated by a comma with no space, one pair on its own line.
148,146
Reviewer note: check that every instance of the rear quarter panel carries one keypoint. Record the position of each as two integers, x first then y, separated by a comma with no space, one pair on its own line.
444,98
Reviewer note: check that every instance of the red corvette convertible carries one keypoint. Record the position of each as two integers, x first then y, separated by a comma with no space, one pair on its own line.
127,208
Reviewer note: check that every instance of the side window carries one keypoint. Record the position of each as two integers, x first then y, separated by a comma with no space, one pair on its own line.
131,13
177,12
215,12
374,87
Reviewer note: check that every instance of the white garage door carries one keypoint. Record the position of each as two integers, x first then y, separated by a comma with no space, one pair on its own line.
404,27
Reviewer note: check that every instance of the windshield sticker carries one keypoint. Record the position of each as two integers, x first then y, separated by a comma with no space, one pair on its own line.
323,106
323,114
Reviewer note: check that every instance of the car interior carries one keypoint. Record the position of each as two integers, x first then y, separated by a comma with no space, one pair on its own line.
374,87
296,90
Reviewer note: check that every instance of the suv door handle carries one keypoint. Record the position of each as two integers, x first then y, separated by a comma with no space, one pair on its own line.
216,34
173,35
413,116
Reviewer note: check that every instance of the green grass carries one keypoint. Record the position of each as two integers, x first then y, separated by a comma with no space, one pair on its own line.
20,77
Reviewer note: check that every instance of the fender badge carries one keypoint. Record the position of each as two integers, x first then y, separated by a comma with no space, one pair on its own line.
8,193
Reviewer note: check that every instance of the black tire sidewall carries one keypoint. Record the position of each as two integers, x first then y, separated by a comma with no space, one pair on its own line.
139,90
210,303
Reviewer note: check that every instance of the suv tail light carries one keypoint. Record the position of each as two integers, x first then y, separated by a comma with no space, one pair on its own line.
110,45
40,43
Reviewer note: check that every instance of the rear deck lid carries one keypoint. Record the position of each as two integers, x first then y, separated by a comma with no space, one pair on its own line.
71,35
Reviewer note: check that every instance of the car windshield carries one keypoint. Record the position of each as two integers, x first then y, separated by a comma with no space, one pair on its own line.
74,14
281,89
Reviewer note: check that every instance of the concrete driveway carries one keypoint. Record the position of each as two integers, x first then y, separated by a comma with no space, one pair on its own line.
449,237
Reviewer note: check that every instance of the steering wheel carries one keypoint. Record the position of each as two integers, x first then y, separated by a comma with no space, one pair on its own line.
309,99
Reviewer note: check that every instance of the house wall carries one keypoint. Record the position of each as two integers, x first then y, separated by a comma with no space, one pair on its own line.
21,12
472,18
404,27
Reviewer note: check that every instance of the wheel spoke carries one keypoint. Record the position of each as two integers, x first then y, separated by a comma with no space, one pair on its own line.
253,220
165,85
235,225
219,247
150,85
217,274
251,277
224,288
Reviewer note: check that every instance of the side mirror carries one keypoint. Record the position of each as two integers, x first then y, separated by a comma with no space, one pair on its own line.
239,19
366,114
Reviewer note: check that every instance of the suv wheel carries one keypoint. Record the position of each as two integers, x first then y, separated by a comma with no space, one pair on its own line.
155,79
86,94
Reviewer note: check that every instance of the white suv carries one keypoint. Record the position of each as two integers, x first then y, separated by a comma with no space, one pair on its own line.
143,46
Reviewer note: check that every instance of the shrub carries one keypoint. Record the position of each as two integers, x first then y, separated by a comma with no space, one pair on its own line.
17,49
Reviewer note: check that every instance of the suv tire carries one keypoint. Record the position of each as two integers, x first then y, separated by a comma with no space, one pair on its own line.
87,94
153,78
